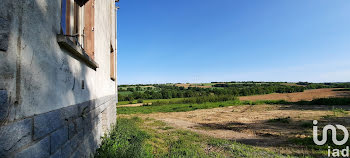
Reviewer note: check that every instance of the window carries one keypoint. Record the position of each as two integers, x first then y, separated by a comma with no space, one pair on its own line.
77,24
112,64
89,23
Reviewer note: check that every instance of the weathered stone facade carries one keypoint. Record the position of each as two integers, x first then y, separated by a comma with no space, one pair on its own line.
64,132
53,103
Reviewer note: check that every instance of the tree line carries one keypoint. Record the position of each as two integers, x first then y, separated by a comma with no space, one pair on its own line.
168,92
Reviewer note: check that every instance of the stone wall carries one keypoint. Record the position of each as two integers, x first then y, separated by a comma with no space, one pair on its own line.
51,102
74,131
39,75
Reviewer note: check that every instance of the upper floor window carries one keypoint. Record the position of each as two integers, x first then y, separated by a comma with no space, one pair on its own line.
112,64
77,23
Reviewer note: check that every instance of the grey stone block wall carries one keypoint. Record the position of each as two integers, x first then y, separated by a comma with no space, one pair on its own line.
73,131
40,149
4,33
15,136
3,105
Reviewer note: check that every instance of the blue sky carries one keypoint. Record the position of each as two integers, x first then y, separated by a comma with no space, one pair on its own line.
161,41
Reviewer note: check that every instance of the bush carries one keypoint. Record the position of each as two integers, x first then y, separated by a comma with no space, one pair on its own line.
306,125
337,111
280,120
140,101
331,101
146,104
197,100
344,89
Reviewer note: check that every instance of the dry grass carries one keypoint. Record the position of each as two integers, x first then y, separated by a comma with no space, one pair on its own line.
251,125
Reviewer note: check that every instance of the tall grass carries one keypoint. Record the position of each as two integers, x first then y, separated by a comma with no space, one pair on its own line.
196,100
125,140
148,101
309,143
137,138
191,104
175,107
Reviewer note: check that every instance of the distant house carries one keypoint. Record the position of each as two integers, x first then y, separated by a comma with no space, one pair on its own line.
58,87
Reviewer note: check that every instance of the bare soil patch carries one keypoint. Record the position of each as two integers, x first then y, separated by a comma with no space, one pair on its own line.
251,124
307,95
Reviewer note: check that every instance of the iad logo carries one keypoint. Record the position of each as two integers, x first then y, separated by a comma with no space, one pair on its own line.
334,134
335,152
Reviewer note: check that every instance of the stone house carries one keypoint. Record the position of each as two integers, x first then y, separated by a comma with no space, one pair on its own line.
58,87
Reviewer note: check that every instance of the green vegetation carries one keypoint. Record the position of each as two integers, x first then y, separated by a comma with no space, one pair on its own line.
308,124
135,137
125,140
345,89
320,150
325,101
131,93
174,107
172,91
151,138
280,120
324,85
138,138
148,101
339,111
182,105
195,100
190,107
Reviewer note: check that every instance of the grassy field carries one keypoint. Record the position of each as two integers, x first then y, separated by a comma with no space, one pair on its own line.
142,138
147,101
271,125
125,92
190,107
307,95
209,105
173,107
279,128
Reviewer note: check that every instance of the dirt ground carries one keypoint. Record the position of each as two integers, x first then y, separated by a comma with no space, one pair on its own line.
249,122
252,124
306,95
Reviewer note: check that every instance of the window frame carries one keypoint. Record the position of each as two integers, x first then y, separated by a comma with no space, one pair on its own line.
73,29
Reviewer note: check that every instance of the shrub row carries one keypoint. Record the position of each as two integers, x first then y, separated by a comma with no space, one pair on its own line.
197,100
168,92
